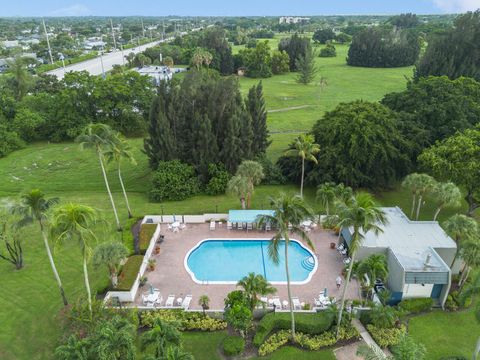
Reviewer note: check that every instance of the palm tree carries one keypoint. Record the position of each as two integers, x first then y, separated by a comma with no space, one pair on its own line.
34,207
326,195
304,146
162,335
99,137
460,227
177,353
74,222
372,352
21,78
74,349
204,301
419,185
470,253
239,186
119,149
375,266
114,339
254,285
363,215
110,254
472,290
477,316
287,210
447,195
253,172
411,183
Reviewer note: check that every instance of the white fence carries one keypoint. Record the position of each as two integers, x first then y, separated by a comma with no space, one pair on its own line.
187,219
129,296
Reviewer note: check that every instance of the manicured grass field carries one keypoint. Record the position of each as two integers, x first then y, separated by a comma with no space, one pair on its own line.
446,334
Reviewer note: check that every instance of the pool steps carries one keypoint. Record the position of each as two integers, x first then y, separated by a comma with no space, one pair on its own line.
308,263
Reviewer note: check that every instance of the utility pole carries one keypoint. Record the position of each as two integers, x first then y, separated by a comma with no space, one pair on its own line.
143,29
113,35
48,42
163,30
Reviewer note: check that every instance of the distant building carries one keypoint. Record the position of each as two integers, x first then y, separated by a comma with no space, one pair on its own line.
419,256
157,73
8,44
293,20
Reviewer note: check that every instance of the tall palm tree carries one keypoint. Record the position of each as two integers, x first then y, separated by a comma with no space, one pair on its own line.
460,227
110,254
162,335
33,207
286,210
114,339
411,183
119,149
304,147
470,253
21,78
362,215
326,195
239,186
447,195
255,285
419,185
74,222
253,172
99,137
375,266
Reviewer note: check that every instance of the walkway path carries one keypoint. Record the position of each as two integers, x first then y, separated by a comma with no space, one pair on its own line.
289,108
366,336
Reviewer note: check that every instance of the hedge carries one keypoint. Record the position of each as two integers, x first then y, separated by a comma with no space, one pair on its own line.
233,345
312,324
386,337
188,321
415,306
127,235
146,233
129,272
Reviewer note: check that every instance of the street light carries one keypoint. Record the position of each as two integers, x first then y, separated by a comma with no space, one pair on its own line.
61,57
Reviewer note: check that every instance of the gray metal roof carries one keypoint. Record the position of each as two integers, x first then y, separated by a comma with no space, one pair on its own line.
425,260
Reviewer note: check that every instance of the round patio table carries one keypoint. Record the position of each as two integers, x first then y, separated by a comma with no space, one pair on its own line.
179,301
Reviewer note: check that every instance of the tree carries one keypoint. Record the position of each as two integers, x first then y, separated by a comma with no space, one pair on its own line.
328,51
471,291
457,159
254,285
470,253
117,150
239,186
22,80
424,184
168,61
255,104
446,195
287,210
322,36
280,62
362,215
257,60
252,171
74,349
375,266
11,238
205,148
173,180
74,222
362,146
460,228
239,317
306,67
204,302
161,336
110,254
201,57
99,137
453,52
114,340
412,183
34,206
408,349
296,47
408,20
326,195
177,353
304,147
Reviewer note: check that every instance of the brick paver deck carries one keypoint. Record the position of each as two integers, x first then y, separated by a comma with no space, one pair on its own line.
170,276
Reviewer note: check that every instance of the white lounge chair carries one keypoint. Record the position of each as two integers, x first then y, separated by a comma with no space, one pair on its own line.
268,227
229,225
296,303
183,226
186,302
144,299
249,226
170,300
276,301
263,302
212,225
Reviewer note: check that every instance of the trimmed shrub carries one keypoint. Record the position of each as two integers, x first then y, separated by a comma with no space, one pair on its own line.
328,51
188,320
312,324
415,306
233,345
146,233
129,272
386,337
173,180
274,342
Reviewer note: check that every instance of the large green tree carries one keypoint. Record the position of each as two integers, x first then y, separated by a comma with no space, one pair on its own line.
255,104
306,67
110,255
254,285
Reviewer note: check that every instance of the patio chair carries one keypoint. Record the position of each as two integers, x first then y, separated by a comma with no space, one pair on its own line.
186,302
284,304
170,300
296,303
277,302
249,226
144,299
212,225
290,226
229,225
268,227
183,226
158,302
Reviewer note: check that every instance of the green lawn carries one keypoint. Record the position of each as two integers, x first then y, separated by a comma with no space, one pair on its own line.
446,334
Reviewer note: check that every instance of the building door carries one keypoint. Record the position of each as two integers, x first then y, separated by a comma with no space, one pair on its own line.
436,291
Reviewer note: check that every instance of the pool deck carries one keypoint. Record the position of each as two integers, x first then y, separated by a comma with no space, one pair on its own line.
171,277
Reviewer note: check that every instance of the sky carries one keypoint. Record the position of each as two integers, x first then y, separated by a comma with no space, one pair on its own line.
230,8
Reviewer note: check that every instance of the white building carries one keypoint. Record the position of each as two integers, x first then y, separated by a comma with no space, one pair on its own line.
293,20
157,73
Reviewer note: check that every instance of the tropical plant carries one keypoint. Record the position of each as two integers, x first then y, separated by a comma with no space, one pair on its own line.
470,253
420,185
253,172
11,238
363,215
239,186
74,222
177,353
110,254
304,147
477,316
306,67
446,195
161,336
74,349
287,211
326,195
384,317
114,339
372,352
375,266
99,137
460,227
408,349
34,207
22,80
204,302
239,317
254,285
117,150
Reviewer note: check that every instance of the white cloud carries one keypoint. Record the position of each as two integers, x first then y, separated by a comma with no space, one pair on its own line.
456,6
73,10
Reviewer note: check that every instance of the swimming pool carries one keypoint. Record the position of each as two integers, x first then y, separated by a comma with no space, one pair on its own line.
222,261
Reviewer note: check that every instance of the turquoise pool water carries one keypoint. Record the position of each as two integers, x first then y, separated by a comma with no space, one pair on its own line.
227,261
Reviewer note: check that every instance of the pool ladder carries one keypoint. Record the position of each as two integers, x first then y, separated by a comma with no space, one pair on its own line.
308,263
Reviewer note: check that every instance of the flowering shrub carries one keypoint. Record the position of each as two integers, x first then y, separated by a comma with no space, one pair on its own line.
274,342
187,320
386,337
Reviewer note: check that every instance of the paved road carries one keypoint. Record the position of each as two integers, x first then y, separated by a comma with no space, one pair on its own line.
94,66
